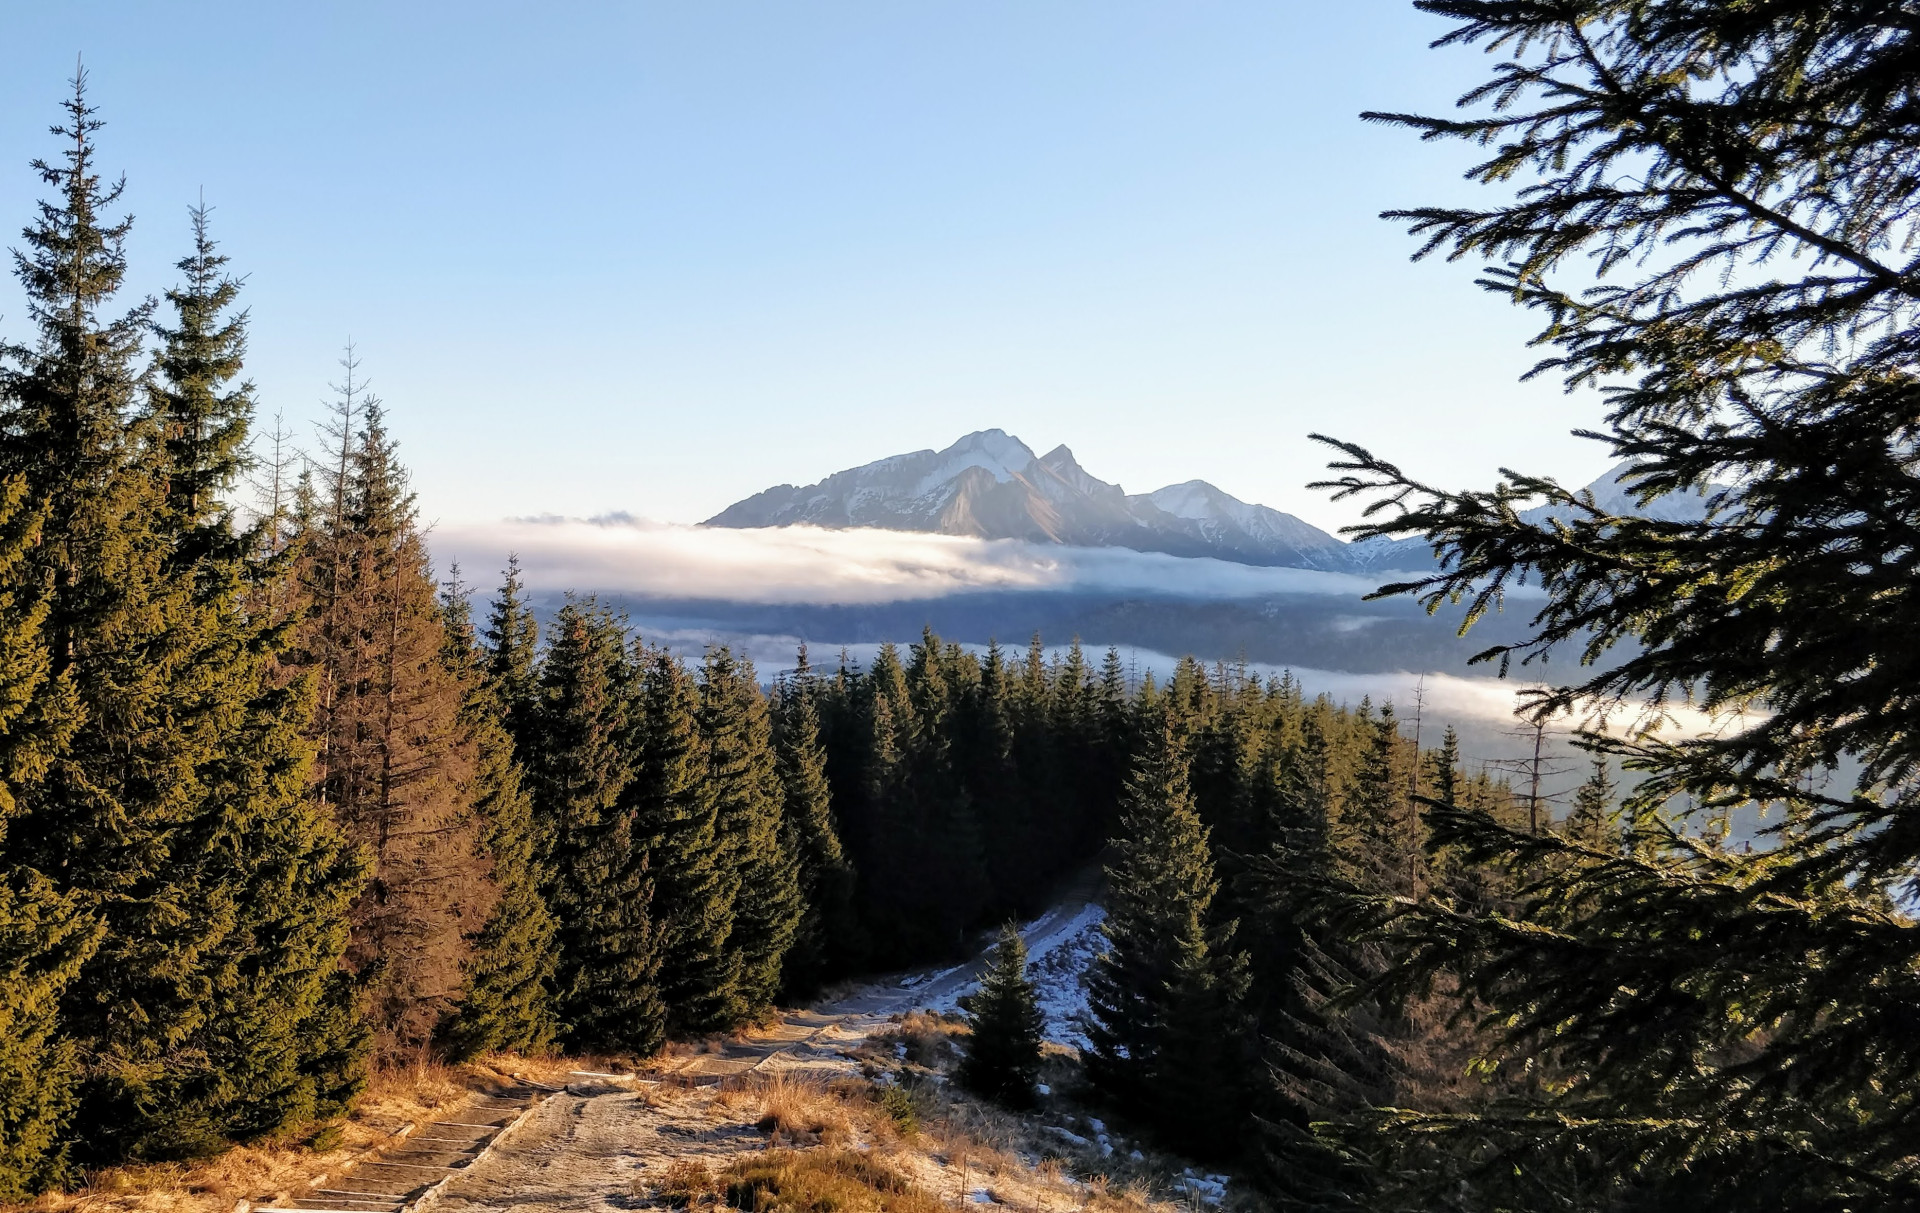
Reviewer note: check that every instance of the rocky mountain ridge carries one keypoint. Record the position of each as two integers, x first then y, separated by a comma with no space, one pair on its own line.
991,485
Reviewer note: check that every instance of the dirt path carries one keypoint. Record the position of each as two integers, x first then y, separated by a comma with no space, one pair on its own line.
591,1152
595,1149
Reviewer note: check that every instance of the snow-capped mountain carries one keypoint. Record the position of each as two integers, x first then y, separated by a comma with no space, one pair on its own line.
990,484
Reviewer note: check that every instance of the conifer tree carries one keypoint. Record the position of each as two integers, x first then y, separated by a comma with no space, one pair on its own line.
744,782
675,822
1739,175
396,764
171,807
75,436
986,739
600,884
827,942
1592,821
886,721
256,1058
1446,768
1002,1059
942,888
1163,997
45,935
512,643
1377,835
507,998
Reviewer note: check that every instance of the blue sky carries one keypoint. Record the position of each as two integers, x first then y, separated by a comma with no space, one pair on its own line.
653,257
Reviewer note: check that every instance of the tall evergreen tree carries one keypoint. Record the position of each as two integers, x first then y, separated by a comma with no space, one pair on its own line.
1593,821
1377,835
507,998
745,785
942,888
512,643
262,1055
600,884
396,764
1002,1060
1741,175
172,806
45,934
1016,859
827,943
675,820
1446,768
1163,997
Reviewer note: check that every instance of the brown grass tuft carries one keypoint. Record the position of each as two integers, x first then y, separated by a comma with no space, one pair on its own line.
821,1181
686,1183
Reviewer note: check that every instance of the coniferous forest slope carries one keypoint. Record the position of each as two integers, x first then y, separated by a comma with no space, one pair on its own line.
277,806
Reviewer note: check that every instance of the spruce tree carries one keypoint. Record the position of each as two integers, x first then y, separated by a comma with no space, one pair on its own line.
45,934
512,643
600,886
827,943
673,803
1164,1020
1002,1059
1376,836
256,1060
101,817
1446,768
880,833
985,761
507,998
744,782
172,806
1732,1026
1592,821
397,762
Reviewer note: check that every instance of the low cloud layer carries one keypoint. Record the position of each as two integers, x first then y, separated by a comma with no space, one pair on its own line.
789,565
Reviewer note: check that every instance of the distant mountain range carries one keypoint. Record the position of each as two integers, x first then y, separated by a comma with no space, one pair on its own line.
991,485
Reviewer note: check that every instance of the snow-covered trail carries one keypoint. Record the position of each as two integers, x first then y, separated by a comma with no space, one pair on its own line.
1060,943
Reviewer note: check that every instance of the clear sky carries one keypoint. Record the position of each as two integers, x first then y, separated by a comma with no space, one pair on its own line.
655,257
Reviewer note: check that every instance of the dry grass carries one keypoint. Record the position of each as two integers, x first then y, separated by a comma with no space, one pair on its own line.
685,1183
822,1181
925,1039
797,1112
397,1095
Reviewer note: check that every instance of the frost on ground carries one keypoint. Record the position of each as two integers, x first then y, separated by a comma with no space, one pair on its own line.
1059,953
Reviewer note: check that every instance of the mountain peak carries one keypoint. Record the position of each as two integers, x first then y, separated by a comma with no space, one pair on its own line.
997,451
990,484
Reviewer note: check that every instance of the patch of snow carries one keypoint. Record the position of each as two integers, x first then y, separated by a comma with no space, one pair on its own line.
1057,961
1059,974
1098,1126
1137,1156
1196,501
1210,1190
1000,453
1043,1088
980,1196
1069,1135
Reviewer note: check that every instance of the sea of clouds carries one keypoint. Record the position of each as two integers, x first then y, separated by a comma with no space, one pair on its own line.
804,564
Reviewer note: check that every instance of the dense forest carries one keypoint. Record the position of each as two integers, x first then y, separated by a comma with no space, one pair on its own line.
279,803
